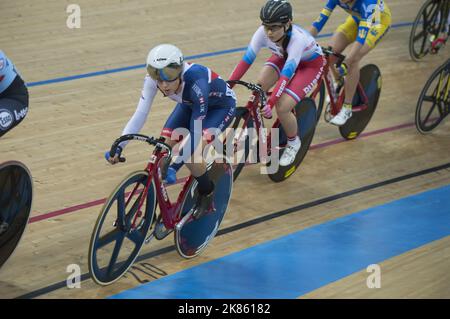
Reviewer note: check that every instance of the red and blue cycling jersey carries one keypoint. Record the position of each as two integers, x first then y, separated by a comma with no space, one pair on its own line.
204,96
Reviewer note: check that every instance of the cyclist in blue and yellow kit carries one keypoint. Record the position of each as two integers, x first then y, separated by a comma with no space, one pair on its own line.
367,24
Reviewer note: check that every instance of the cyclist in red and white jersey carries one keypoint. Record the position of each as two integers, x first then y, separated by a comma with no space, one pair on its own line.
294,68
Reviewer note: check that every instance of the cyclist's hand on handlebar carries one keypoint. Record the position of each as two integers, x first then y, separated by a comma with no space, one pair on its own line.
117,157
112,160
342,69
267,110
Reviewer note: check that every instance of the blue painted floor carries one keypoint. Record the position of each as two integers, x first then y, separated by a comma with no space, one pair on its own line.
296,264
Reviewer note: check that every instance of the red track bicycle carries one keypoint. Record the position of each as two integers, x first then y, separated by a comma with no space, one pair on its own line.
248,118
364,102
130,212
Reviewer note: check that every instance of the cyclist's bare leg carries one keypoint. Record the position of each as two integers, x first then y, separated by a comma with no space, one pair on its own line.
267,77
288,120
197,166
352,79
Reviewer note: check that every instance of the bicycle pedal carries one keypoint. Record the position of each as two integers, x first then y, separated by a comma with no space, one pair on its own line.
160,232
210,210
195,214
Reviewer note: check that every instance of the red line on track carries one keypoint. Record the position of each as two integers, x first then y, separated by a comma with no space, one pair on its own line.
312,147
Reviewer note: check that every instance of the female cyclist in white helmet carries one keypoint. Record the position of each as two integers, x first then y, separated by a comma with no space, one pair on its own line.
205,103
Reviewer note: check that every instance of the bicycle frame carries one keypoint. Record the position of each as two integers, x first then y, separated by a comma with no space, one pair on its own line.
252,106
169,210
336,101
440,85
445,73
255,114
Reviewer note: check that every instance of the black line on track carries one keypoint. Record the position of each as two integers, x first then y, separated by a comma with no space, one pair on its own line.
62,284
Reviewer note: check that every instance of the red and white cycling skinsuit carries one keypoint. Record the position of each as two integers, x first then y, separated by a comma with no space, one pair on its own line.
299,65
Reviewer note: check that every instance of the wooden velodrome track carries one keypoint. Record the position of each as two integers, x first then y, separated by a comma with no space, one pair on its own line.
71,123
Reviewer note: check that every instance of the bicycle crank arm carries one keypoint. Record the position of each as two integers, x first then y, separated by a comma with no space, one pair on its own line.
184,219
149,238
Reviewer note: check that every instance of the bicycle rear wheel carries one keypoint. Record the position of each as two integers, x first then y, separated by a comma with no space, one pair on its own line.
115,242
306,115
433,104
193,236
16,196
424,26
370,80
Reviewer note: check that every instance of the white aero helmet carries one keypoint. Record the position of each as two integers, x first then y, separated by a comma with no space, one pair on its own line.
165,62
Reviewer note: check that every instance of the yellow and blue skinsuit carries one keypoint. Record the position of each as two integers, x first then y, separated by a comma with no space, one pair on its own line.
368,22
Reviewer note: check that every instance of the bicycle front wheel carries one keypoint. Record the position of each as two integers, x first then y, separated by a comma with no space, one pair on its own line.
433,104
16,196
121,227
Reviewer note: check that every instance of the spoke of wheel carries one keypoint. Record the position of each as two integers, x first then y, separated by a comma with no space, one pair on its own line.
426,24
422,47
432,99
115,253
432,13
441,109
429,98
108,238
418,36
441,90
429,114
133,211
121,207
136,236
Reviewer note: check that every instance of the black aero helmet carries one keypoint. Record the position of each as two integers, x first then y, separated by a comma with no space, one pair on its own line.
276,11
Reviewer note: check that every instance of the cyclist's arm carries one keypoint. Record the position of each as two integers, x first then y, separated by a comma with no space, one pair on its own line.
249,57
139,117
323,18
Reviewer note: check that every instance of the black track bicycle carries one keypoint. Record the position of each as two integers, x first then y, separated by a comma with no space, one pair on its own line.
433,105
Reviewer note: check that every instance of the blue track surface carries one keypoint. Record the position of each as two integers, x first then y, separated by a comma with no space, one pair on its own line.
301,262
